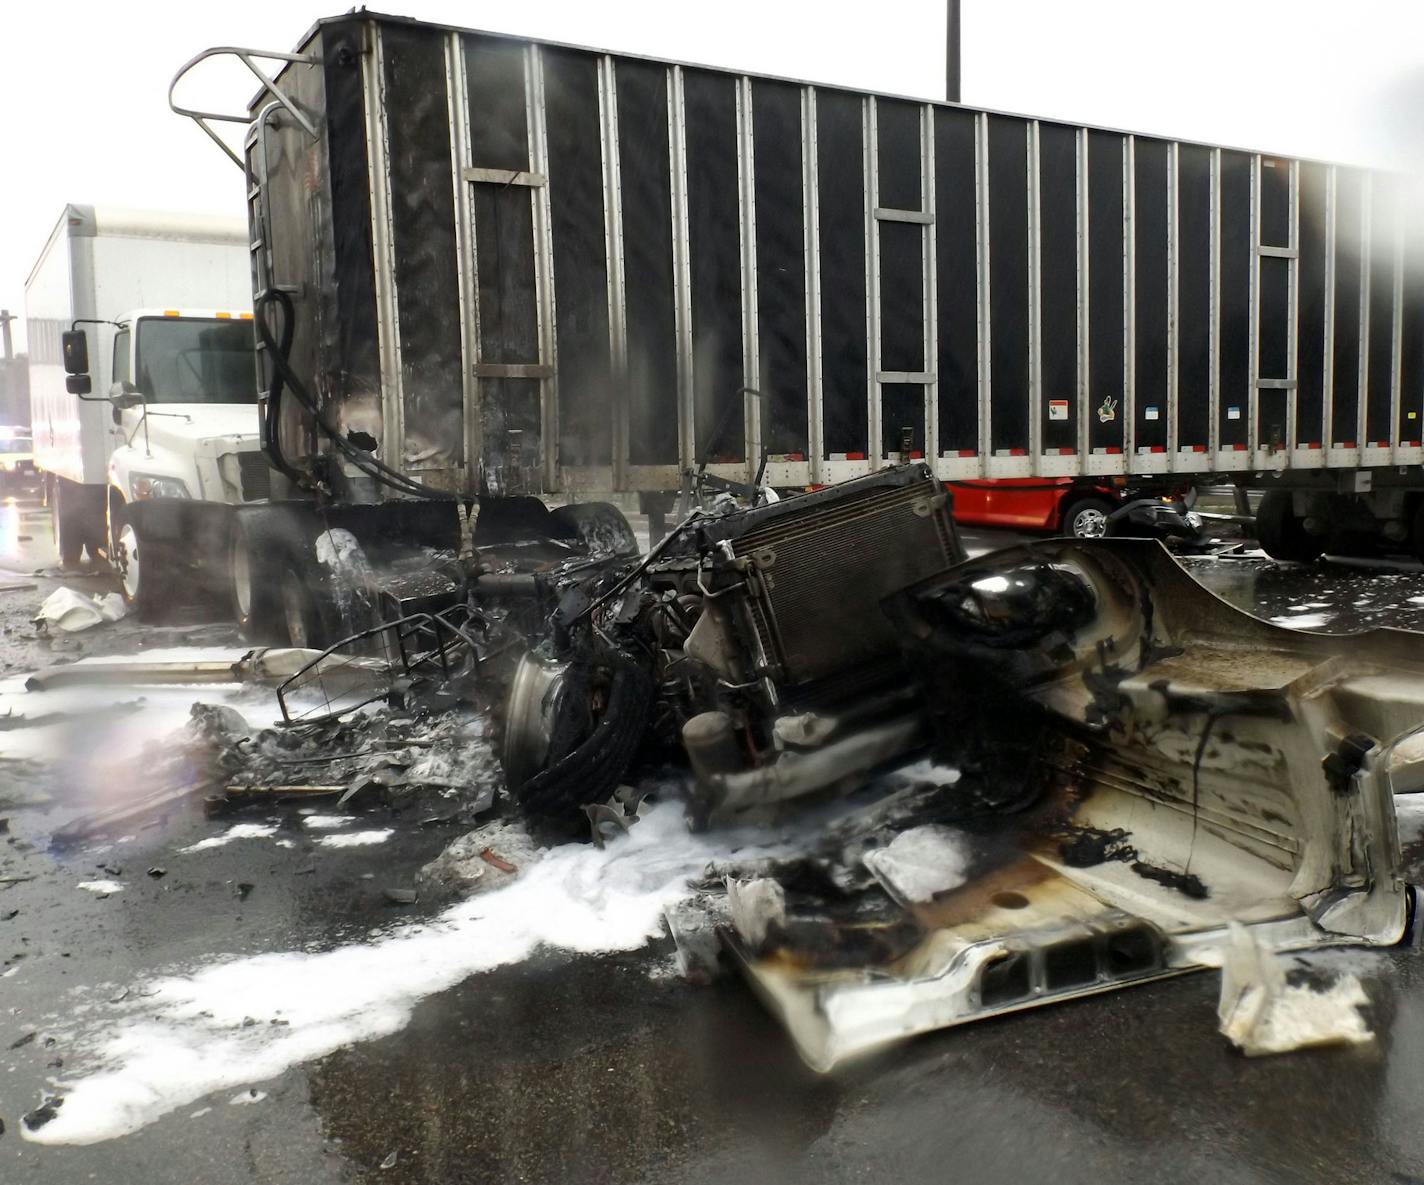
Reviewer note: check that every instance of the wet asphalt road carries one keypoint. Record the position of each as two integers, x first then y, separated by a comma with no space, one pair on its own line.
602,1069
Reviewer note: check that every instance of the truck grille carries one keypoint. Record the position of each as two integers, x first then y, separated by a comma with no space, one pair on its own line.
823,575
256,476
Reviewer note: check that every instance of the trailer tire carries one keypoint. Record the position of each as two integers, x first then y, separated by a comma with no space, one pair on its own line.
1281,533
601,527
1087,518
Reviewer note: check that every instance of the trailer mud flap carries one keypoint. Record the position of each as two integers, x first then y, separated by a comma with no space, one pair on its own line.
1180,768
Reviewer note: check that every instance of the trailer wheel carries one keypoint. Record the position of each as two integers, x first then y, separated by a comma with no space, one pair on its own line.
1282,534
1087,518
601,527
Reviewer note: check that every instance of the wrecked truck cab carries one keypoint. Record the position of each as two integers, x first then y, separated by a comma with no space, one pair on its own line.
750,644
1175,768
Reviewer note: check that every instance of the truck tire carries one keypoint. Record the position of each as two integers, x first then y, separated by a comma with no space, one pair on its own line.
1087,517
144,567
76,525
269,547
1281,533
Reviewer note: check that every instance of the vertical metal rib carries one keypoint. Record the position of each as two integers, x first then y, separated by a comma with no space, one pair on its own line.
681,272
541,197
1293,318
1129,301
1214,305
1396,392
1080,193
1327,404
746,208
383,252
930,274
1035,301
613,252
458,92
1366,229
875,451
811,226
1253,351
981,253
1174,263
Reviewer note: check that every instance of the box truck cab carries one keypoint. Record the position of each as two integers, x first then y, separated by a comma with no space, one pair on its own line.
143,393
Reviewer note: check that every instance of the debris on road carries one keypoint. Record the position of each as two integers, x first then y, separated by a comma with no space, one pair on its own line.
102,888
70,612
1262,1012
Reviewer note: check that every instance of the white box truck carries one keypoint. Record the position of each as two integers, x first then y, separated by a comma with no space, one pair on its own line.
153,436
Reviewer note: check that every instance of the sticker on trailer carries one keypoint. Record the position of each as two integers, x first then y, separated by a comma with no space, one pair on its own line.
1150,413
1107,410
1058,409
1233,413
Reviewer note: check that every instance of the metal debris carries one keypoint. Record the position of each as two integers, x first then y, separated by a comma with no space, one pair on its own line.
1261,1012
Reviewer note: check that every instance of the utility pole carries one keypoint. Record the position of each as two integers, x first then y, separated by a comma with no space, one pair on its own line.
6,316
951,51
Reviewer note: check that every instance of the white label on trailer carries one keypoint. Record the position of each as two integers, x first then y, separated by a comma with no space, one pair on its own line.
1150,412
1058,409
1233,413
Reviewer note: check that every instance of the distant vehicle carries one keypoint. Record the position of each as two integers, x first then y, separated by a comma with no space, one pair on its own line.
17,457
146,314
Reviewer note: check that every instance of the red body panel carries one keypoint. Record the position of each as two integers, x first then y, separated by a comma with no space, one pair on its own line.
1028,503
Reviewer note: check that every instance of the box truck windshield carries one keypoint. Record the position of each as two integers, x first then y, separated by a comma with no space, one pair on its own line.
191,360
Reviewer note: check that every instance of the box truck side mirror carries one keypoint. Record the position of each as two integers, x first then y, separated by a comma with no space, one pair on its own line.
75,345
78,384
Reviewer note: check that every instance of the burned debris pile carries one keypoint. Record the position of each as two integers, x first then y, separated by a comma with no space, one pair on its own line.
991,783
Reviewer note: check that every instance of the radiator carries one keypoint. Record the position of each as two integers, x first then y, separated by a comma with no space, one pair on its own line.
820,576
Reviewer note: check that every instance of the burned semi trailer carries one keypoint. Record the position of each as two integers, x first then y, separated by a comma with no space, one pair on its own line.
495,267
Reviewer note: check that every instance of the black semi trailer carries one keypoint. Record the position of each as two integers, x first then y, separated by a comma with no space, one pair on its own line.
499,267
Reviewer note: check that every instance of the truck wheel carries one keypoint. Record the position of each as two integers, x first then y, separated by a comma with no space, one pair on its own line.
1087,518
1281,533
140,564
267,545
67,517
299,610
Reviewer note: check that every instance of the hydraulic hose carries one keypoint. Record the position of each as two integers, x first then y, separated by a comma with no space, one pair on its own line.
370,465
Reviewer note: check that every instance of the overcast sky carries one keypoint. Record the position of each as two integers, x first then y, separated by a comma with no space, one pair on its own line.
84,116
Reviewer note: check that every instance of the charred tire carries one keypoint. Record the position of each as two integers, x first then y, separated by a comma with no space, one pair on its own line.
268,544
590,769
600,526
1282,534
1087,518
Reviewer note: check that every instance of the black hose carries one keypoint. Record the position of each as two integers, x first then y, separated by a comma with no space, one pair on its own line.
272,444
370,465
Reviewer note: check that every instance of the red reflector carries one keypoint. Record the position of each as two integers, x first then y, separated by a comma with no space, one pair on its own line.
967,452
1381,444
795,456
1018,452
855,456
917,455
1409,444
1157,448
1197,448
1114,448
1240,448
1347,444
1313,444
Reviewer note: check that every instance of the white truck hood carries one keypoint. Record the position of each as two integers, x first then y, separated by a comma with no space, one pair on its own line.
224,424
